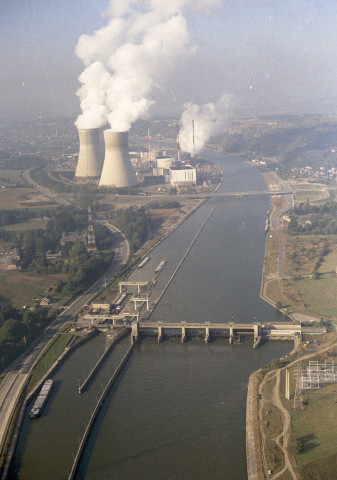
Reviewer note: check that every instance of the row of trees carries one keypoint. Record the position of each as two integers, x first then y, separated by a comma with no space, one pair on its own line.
304,208
8,217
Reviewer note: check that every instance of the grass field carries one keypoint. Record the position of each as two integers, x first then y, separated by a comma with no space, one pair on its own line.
310,191
319,296
307,186
302,196
14,176
300,292
10,199
308,296
316,425
22,288
270,261
49,358
23,227
330,262
324,468
302,253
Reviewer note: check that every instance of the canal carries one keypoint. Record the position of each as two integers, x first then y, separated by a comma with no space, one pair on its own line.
177,411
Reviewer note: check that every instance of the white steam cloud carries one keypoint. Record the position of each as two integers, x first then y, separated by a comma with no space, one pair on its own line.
129,57
209,120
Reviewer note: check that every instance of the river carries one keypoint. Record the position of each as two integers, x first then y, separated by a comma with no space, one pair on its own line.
177,411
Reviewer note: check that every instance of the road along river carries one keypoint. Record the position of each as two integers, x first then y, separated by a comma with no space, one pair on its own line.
177,411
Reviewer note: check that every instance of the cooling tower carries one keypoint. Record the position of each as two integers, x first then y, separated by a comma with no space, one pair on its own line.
117,169
89,158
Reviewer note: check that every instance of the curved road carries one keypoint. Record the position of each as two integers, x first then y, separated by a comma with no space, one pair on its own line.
18,372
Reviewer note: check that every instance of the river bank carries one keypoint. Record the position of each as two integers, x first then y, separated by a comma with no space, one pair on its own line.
276,421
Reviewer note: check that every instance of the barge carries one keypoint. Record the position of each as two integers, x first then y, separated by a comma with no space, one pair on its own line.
41,399
160,267
143,262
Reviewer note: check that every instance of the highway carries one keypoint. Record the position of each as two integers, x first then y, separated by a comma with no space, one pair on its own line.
18,373
55,196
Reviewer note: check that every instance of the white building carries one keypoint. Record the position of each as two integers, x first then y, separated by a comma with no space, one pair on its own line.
183,175
164,162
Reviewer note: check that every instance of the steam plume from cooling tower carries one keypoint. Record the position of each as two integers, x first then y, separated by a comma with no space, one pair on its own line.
129,57
209,120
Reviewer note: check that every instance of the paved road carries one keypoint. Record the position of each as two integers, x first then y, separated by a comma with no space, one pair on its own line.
55,196
18,373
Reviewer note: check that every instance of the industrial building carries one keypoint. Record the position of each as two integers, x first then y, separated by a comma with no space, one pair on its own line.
182,176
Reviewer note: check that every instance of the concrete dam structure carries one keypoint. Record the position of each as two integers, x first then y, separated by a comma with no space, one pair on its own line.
89,164
117,169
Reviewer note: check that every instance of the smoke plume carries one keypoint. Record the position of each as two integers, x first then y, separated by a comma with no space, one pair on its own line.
209,120
131,56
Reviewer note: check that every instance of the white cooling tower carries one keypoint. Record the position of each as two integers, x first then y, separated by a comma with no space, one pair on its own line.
117,169
89,158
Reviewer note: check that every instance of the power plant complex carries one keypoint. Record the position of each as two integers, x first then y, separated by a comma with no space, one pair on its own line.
117,170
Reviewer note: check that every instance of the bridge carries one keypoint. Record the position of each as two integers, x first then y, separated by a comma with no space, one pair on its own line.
253,193
277,330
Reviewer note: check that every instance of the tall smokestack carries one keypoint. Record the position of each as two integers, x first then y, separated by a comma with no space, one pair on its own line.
193,139
89,159
178,143
117,169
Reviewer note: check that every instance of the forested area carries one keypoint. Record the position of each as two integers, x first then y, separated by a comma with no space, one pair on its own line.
163,204
82,269
18,329
133,223
34,244
297,143
314,220
9,217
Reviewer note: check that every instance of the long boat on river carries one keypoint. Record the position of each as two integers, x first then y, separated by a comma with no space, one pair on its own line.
160,266
41,399
143,262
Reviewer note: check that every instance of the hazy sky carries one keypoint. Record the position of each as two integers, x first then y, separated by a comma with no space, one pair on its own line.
270,55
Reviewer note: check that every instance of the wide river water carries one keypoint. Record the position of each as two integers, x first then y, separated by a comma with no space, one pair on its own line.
177,411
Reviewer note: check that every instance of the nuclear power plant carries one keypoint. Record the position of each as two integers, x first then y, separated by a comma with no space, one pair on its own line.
117,169
90,157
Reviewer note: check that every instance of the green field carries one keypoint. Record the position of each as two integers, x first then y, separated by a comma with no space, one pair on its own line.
310,191
316,425
21,288
329,264
22,227
302,196
307,186
14,176
319,295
